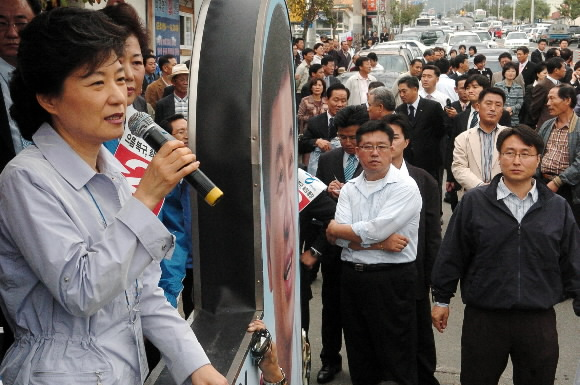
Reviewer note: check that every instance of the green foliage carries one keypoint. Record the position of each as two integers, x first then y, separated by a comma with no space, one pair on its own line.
570,9
308,10
523,8
405,14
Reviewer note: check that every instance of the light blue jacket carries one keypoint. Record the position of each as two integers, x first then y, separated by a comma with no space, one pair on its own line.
79,266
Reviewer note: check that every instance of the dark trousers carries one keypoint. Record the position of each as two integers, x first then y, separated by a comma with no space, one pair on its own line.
566,192
426,353
489,337
187,293
331,328
379,322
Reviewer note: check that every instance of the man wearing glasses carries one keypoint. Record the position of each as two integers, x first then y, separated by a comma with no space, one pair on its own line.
475,160
14,16
376,223
515,246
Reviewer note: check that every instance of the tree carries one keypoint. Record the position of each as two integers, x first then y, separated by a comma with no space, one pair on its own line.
308,11
523,8
405,14
570,9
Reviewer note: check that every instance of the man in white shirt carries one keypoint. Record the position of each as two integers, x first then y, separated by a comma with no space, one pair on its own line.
375,65
358,84
377,223
429,80
446,85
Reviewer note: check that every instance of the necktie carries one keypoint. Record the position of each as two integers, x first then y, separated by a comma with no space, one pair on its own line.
350,167
330,128
429,97
411,113
474,120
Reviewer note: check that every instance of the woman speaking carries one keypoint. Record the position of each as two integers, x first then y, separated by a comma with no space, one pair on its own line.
79,255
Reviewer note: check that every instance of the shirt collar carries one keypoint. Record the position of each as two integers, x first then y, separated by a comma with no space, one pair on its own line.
555,81
415,103
6,69
68,163
503,191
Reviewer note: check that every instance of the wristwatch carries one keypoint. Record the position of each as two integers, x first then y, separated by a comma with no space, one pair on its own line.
281,382
315,253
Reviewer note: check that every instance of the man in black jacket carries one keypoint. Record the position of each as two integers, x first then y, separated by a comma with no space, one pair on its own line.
515,246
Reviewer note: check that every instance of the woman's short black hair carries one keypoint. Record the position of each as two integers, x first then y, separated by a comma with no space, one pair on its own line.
510,65
313,82
53,46
126,16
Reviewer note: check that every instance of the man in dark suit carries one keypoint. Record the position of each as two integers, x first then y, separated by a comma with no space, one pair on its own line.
321,128
527,68
479,61
539,56
334,169
427,249
344,57
178,101
150,75
329,66
427,127
538,109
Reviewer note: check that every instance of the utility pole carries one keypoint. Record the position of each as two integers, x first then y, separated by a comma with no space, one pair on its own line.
514,12
532,13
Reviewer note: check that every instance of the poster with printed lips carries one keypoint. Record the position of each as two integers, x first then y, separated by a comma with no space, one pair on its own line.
309,187
135,155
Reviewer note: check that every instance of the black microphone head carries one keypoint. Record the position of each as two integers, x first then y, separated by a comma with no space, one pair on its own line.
140,123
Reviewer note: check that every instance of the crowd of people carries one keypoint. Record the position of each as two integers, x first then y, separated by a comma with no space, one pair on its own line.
84,267
87,284
390,156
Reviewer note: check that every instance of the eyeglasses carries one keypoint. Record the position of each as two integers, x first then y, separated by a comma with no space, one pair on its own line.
512,155
5,26
345,137
371,148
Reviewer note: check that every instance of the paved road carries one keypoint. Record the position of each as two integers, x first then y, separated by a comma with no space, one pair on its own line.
448,344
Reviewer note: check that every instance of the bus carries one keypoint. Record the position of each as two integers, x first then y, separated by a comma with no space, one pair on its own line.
423,22
479,15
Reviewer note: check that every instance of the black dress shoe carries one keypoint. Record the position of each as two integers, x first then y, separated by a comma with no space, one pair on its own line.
327,373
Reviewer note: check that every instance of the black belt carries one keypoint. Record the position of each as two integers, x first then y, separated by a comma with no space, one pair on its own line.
374,266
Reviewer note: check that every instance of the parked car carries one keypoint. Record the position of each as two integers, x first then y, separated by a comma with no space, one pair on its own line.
486,38
574,31
416,47
457,38
516,39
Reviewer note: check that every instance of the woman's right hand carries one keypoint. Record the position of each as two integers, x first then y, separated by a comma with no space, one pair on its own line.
172,162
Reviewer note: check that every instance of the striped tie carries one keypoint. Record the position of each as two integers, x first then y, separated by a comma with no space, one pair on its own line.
350,167
473,120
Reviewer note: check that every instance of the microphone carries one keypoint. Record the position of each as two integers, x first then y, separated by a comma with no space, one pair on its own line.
141,125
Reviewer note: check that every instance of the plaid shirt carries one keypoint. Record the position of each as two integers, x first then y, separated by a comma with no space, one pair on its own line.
555,158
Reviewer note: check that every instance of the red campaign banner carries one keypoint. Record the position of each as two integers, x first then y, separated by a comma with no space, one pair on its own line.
128,154
371,5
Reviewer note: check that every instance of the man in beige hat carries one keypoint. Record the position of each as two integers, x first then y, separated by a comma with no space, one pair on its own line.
154,91
177,102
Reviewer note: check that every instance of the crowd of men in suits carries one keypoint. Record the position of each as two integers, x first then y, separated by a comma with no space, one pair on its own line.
446,119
